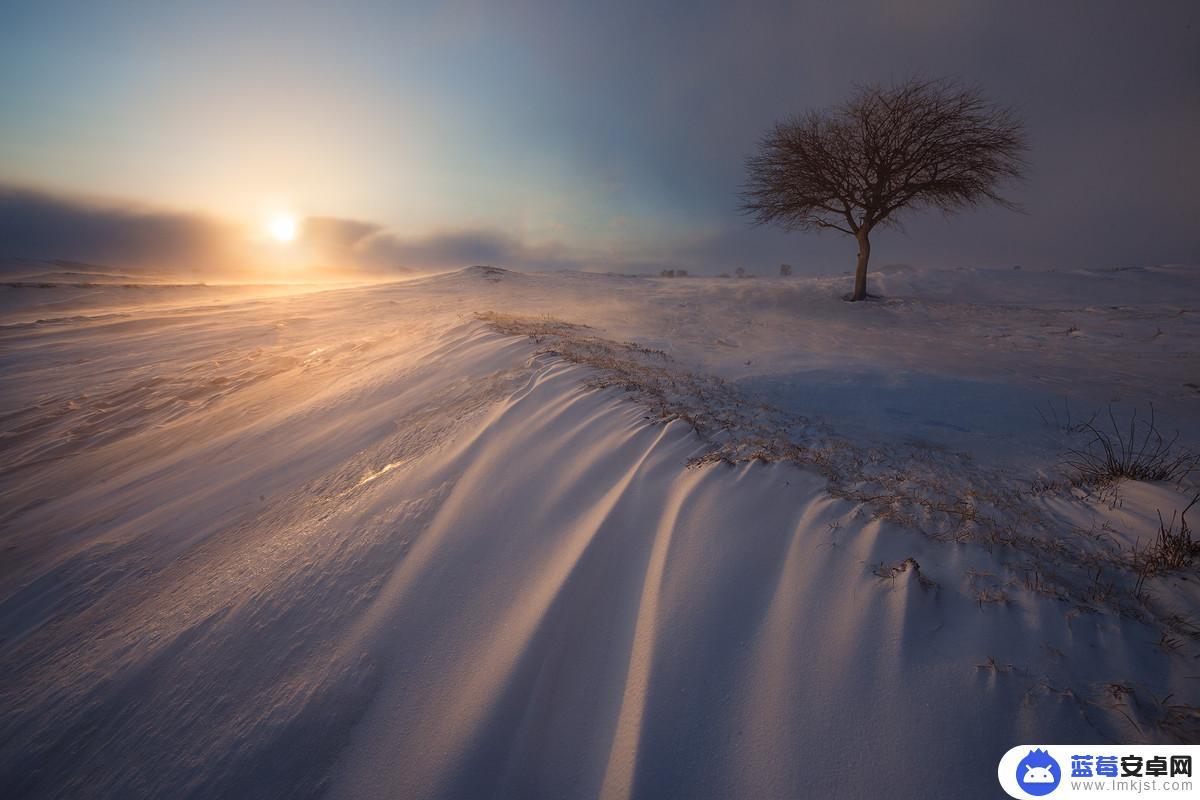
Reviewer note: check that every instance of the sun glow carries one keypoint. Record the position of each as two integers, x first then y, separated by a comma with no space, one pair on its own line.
283,228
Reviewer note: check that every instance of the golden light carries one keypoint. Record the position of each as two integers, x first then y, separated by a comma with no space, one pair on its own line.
284,228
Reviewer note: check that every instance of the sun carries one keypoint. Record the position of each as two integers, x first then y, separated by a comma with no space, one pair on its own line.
283,228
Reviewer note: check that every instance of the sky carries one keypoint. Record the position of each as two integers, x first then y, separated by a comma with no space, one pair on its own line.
565,135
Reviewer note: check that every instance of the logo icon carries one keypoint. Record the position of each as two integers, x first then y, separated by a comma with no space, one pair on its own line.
1038,773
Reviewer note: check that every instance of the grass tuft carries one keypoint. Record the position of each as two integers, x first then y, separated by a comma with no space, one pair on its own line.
1138,452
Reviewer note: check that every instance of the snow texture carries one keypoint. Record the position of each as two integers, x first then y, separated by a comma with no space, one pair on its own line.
436,538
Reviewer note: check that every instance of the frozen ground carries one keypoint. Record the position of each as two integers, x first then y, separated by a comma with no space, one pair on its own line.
363,543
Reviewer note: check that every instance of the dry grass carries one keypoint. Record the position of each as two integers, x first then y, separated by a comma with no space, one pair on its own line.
738,429
1173,548
890,571
991,665
1180,720
944,495
1137,452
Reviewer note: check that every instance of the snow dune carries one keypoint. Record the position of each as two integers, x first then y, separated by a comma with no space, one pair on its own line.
357,543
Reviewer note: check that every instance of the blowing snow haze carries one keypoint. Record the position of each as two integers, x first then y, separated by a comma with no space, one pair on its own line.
549,136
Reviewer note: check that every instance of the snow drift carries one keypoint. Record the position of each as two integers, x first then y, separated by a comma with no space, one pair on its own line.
361,543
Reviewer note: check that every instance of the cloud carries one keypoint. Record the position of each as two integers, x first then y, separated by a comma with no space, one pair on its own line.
353,243
36,224
39,225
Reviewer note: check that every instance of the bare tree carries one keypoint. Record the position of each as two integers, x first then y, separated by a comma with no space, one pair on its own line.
919,144
785,270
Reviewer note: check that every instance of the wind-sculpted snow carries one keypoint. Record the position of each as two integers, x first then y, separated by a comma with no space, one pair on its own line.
359,543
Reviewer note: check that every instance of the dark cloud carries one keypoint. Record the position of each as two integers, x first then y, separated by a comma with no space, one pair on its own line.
40,225
35,224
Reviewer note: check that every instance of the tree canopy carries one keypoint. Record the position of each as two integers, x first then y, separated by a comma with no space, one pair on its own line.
918,144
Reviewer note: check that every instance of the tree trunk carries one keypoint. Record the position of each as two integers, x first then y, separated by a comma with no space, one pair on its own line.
860,272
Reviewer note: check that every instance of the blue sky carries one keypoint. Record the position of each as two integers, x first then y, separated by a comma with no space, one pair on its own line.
589,134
